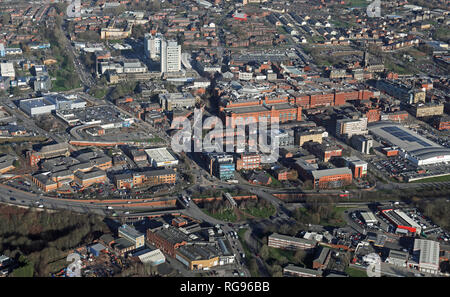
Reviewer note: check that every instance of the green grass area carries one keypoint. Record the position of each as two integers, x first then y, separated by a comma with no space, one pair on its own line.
24,271
356,3
99,93
353,272
445,178
227,215
275,182
66,78
154,139
342,24
279,254
334,219
263,212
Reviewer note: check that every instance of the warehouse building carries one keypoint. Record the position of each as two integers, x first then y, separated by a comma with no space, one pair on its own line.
132,235
96,249
153,258
419,150
401,220
36,106
161,157
425,256
167,238
397,258
369,218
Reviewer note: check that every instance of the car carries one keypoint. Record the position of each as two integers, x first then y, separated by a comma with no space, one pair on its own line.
41,206
12,198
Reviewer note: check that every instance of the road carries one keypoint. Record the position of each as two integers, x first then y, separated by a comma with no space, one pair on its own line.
85,76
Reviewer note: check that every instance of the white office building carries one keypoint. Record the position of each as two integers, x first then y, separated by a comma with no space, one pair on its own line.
170,56
7,70
152,45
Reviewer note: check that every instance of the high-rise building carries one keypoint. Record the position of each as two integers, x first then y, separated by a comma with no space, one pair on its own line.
152,45
170,56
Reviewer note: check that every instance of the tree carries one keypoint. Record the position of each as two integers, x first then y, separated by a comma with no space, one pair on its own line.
264,252
138,31
299,256
5,19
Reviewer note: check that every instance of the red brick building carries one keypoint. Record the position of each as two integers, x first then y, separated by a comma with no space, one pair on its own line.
248,161
442,123
167,239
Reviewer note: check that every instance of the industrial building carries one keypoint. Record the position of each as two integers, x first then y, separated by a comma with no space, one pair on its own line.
153,258
132,235
419,150
36,106
369,218
425,256
96,249
397,258
161,157
401,221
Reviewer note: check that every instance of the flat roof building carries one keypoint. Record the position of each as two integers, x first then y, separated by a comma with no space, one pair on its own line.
419,150
36,106
426,254
369,218
7,70
132,235
290,243
153,258
172,101
292,270
161,157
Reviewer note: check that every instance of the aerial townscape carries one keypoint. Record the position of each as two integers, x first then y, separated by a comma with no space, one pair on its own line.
224,138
